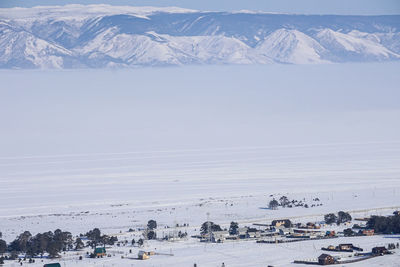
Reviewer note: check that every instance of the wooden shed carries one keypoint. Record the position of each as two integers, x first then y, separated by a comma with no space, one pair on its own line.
325,259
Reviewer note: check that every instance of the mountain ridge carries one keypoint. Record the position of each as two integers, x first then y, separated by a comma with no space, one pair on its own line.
112,36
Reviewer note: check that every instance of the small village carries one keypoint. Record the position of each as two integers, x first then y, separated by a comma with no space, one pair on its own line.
52,248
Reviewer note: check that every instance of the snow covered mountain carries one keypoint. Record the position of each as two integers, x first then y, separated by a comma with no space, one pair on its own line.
292,46
96,36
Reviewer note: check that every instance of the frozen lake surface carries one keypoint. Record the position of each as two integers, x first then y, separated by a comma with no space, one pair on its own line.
42,185
82,138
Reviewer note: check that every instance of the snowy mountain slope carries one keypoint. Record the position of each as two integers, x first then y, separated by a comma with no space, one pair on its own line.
129,49
292,46
354,47
155,49
101,36
389,40
20,48
213,49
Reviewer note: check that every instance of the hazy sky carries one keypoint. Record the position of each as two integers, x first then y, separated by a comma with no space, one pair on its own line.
56,112
359,7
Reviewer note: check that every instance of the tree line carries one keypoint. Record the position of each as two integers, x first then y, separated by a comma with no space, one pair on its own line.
52,243
341,217
385,224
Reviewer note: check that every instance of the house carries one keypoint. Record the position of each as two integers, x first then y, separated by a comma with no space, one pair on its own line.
379,251
143,255
52,265
219,236
285,223
311,225
368,232
269,234
345,247
325,259
242,232
348,248
100,252
284,231
252,233
299,225
317,234
330,233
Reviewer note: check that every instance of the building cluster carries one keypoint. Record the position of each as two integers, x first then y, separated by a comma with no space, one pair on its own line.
327,259
277,231
343,248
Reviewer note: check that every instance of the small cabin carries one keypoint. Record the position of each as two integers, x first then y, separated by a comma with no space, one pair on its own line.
330,247
285,231
254,234
100,252
330,233
345,246
284,223
311,225
143,255
379,251
242,232
219,236
368,232
325,259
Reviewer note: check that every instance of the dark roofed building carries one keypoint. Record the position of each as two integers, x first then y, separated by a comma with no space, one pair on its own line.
52,265
325,259
345,246
379,251
285,223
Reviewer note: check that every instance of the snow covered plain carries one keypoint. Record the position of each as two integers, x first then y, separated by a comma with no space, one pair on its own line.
85,149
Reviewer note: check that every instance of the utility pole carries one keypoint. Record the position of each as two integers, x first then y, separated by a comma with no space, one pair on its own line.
208,227
208,231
